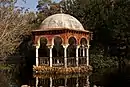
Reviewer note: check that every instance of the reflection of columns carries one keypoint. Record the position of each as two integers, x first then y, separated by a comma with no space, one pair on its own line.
65,81
88,84
77,84
36,81
65,55
87,53
50,47
37,47
77,56
83,51
50,81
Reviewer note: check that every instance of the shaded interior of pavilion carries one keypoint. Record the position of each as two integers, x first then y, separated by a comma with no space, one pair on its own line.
58,52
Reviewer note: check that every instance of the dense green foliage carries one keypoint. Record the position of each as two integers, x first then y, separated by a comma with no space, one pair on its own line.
109,22
98,61
107,19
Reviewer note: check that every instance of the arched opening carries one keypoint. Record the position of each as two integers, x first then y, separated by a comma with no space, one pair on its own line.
83,41
71,52
43,50
58,51
57,48
82,51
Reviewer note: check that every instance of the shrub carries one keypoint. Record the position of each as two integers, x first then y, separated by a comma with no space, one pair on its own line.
99,61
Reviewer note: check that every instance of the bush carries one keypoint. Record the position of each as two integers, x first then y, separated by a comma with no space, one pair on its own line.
99,61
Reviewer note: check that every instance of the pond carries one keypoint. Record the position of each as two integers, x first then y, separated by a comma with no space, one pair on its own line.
98,78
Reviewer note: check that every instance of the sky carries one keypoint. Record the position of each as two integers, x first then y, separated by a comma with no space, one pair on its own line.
31,4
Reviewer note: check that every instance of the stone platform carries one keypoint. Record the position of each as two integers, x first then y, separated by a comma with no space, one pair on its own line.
62,70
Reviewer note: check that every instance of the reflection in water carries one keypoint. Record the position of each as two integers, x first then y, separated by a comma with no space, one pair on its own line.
88,81
24,76
36,81
77,84
50,81
63,81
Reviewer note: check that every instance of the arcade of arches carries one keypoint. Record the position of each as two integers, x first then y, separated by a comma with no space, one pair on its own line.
60,44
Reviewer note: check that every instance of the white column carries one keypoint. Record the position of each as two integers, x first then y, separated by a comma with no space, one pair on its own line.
83,51
87,54
50,47
77,56
37,47
50,81
65,55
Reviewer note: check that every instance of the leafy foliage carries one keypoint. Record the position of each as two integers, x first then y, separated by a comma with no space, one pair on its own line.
107,19
99,61
45,9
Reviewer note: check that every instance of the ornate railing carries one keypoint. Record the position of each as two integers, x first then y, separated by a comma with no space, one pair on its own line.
71,61
82,61
44,61
59,61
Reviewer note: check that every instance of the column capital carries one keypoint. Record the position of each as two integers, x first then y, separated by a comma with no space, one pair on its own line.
65,46
78,46
37,46
88,46
50,46
83,45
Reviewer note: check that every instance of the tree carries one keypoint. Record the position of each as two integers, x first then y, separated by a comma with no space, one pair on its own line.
45,9
14,25
105,18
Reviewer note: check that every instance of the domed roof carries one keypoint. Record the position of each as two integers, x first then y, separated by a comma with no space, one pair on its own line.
63,21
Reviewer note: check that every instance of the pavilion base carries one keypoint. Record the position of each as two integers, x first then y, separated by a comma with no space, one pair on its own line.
62,70
44,76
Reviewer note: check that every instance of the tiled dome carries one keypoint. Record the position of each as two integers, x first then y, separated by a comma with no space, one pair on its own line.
61,21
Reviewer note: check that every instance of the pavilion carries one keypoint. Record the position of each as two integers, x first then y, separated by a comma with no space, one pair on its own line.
62,41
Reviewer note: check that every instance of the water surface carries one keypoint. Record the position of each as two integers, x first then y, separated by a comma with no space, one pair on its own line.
98,78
